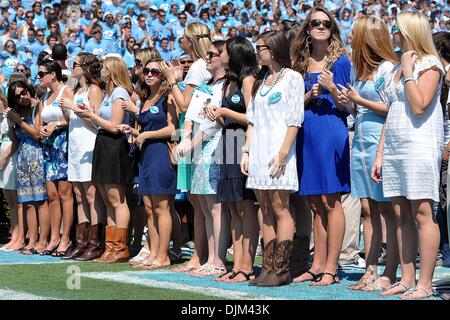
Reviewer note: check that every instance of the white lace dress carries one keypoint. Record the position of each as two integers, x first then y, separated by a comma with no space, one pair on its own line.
412,145
8,174
271,116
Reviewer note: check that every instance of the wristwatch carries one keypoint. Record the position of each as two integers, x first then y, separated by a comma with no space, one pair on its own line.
58,124
245,149
171,85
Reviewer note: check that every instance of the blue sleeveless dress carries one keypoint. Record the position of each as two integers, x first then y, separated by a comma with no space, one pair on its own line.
30,168
157,175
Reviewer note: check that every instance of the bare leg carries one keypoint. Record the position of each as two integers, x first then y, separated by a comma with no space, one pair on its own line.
407,244
97,207
110,214
152,229
17,227
44,225
372,242
176,228
117,199
221,230
387,213
54,205
161,209
335,235
199,234
32,223
66,196
83,213
285,220
269,226
429,238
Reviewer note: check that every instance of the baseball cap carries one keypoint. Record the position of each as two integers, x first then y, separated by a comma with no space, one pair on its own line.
154,8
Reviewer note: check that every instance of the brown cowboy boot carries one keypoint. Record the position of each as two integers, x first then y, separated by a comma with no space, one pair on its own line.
109,244
120,251
266,264
280,274
81,241
94,248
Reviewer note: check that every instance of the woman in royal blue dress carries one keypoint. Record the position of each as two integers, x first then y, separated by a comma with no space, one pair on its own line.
157,175
323,156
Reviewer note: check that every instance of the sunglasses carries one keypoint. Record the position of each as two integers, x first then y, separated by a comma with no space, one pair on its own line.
154,72
40,35
42,74
211,55
109,17
96,32
10,46
21,94
30,17
315,23
76,64
186,62
142,21
260,48
21,70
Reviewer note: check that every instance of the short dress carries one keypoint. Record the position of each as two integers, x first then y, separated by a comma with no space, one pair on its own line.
157,175
323,154
55,146
31,184
8,174
232,183
205,167
110,162
81,144
271,114
368,127
413,145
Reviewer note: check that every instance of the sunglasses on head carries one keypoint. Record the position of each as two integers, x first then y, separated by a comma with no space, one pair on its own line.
211,54
154,72
260,48
315,23
42,74
21,94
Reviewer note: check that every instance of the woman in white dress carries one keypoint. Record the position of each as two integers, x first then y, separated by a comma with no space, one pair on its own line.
82,133
269,158
411,157
8,181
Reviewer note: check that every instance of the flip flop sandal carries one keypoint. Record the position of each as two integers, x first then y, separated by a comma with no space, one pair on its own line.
247,276
412,290
313,275
27,251
185,267
231,274
320,276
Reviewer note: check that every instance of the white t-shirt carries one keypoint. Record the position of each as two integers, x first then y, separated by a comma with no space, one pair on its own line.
197,73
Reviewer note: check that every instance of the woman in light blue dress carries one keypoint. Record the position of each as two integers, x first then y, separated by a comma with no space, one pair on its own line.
372,66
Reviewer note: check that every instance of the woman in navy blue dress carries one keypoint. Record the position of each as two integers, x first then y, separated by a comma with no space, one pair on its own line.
323,156
157,175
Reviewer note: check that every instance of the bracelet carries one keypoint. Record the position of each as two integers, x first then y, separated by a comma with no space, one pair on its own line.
409,79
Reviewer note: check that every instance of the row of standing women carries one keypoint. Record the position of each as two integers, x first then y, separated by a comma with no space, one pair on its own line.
280,134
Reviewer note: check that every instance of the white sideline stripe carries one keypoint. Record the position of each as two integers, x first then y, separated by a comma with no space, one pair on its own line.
31,263
7,294
210,291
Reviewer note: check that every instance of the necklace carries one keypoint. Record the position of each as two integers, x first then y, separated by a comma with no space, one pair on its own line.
273,83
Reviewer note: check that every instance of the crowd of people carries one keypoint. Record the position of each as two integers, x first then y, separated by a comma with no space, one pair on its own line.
280,120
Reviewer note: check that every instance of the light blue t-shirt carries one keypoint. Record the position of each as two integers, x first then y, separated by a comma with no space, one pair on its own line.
105,109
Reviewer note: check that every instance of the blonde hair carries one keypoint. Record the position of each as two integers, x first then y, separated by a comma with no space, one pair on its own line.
147,54
301,48
416,32
118,74
200,36
371,46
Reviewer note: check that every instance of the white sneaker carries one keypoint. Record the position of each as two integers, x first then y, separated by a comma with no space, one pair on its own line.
141,257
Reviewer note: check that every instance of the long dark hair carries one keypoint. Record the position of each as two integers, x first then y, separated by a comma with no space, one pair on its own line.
53,66
242,60
12,100
278,45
